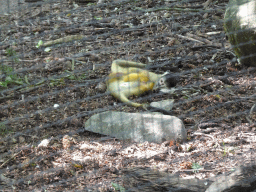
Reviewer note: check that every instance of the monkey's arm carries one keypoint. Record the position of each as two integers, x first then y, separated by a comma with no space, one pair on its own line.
126,66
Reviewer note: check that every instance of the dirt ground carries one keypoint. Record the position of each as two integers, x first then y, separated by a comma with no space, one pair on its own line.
8,6
213,97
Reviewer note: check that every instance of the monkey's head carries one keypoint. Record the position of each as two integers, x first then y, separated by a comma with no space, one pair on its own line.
167,80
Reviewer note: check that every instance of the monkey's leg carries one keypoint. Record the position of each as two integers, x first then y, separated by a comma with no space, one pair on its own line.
123,95
142,88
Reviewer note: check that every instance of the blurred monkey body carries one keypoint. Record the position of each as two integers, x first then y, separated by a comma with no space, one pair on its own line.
129,78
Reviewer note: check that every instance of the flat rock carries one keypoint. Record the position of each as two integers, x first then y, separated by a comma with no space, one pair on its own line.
164,104
139,127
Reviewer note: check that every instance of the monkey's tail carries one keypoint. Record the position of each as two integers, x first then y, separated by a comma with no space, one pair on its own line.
124,99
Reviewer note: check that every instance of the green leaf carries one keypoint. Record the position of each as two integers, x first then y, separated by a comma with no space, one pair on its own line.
73,65
39,43
19,82
3,84
118,187
97,18
48,49
8,79
26,79
196,166
40,82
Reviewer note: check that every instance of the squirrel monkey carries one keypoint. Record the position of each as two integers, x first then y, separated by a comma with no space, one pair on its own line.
129,78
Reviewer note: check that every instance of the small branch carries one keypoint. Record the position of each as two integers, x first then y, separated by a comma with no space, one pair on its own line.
9,159
189,38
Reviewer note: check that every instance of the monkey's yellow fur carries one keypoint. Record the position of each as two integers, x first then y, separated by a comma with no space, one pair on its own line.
129,78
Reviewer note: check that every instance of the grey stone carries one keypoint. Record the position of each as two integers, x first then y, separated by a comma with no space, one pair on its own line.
164,104
241,179
139,127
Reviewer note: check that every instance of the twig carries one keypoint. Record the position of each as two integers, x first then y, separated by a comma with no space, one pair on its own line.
9,159
199,38
189,38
